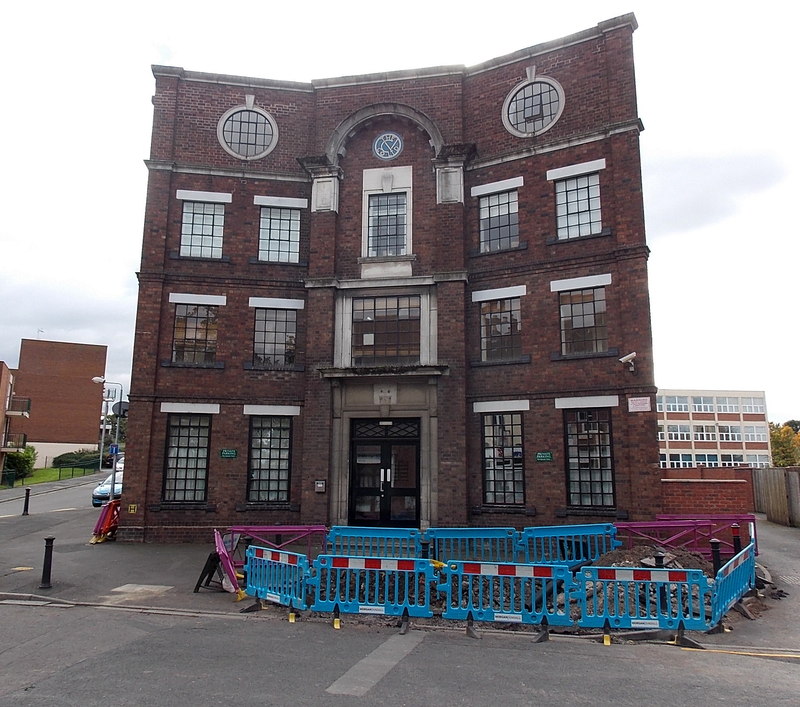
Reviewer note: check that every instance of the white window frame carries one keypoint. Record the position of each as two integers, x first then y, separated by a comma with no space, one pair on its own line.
387,180
733,433
682,433
280,202
682,460
730,460
582,169
710,463
428,340
730,404
495,295
757,433
753,405
757,460
705,433
674,403
702,403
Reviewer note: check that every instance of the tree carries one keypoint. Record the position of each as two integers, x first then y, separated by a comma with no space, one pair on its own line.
785,445
794,424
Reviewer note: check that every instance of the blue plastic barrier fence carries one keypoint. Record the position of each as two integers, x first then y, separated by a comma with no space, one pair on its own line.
473,544
571,545
373,585
640,598
277,576
734,578
507,592
353,541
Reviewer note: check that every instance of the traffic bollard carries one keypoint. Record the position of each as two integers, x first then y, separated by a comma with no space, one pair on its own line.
662,593
27,501
716,559
48,561
737,539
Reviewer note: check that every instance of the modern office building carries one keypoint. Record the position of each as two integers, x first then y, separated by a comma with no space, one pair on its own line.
713,428
414,298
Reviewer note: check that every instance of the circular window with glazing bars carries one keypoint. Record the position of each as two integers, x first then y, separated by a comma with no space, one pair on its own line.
533,107
248,133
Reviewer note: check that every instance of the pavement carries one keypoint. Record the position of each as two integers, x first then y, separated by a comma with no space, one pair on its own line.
159,578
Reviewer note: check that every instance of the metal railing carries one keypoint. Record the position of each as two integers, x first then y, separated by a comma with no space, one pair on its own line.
13,442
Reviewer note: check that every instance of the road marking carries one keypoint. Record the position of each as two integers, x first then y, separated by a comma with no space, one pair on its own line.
143,588
133,592
365,674
789,578
57,510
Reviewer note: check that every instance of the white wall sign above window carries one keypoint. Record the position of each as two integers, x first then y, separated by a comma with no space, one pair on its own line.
387,146
533,106
247,132
639,405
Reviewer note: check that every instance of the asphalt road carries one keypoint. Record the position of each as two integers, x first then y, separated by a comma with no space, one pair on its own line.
87,656
130,631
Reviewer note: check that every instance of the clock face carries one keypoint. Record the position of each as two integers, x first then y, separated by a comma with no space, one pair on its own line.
387,146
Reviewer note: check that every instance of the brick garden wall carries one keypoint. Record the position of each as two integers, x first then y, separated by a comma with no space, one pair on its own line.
707,490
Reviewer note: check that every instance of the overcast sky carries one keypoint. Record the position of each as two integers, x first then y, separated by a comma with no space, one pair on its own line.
717,95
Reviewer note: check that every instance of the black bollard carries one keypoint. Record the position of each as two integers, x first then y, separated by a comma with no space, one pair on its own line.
716,560
27,501
737,539
48,561
662,593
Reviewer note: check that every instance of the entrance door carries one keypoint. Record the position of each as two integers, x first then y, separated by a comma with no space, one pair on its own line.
384,476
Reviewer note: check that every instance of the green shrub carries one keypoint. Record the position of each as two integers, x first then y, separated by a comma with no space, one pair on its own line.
80,457
22,463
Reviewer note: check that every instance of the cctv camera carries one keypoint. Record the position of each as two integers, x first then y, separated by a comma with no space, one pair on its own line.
628,358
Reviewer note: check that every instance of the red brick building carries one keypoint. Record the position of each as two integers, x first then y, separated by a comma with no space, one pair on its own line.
396,299
11,406
56,377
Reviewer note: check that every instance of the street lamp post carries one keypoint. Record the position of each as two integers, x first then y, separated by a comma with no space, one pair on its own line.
103,431
101,379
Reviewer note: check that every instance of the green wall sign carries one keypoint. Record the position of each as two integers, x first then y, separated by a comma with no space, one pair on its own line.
228,453
544,456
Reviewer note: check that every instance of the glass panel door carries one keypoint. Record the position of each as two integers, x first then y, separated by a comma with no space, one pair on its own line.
365,506
402,487
384,484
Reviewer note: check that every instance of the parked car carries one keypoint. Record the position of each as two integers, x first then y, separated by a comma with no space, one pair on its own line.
101,491
120,463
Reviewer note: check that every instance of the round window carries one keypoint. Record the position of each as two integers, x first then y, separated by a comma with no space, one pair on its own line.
533,107
247,133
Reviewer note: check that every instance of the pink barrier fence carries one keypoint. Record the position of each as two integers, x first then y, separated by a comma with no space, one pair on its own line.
690,532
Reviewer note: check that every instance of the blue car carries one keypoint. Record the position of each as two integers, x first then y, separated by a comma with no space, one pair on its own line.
100,493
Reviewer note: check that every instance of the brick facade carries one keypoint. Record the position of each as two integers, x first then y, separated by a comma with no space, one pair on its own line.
323,163
57,378
702,490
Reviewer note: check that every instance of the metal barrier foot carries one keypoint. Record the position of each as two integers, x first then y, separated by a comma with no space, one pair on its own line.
607,633
337,621
404,623
743,610
255,606
544,632
471,632
684,642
